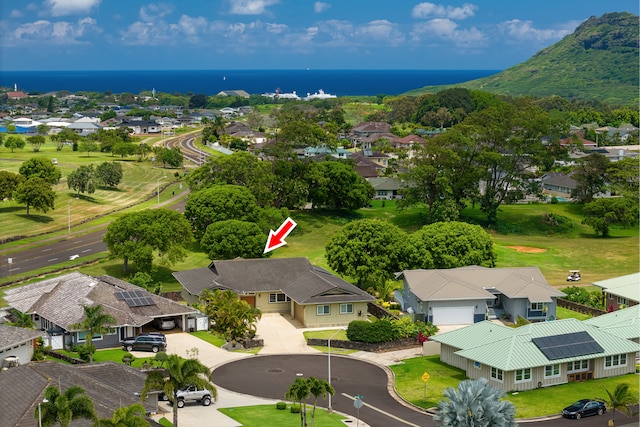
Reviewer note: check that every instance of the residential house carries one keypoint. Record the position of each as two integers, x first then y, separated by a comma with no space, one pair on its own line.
408,143
558,184
575,141
538,354
323,151
386,188
142,127
467,295
368,129
291,286
623,323
109,385
17,94
620,292
371,141
381,160
56,304
17,342
235,92
85,126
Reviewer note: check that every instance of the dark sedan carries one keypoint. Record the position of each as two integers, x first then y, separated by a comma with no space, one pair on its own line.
584,408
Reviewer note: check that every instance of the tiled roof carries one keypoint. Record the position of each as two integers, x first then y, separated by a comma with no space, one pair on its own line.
475,282
60,300
624,286
12,335
514,349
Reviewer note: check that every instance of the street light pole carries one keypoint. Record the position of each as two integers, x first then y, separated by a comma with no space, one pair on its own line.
158,188
40,412
330,409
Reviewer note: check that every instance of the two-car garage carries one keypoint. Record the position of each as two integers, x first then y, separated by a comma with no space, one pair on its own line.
456,315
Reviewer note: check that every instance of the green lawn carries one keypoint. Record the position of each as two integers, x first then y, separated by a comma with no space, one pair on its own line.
564,313
268,415
534,403
209,337
113,355
337,334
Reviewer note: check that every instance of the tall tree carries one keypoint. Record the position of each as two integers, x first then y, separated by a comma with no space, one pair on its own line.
618,400
232,239
8,184
475,403
64,407
318,388
36,141
590,177
127,416
83,180
12,142
337,185
601,214
35,192
109,173
299,392
177,374
368,251
41,167
96,322
88,146
137,235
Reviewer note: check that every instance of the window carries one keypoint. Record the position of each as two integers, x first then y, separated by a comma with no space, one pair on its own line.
346,308
477,365
537,306
615,360
496,374
578,365
323,310
622,301
276,298
551,371
82,336
523,375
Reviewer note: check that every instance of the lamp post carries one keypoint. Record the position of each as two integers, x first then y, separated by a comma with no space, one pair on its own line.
159,188
330,409
40,412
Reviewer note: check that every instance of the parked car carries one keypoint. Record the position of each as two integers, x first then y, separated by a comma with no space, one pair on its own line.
154,334
165,324
584,408
145,342
190,393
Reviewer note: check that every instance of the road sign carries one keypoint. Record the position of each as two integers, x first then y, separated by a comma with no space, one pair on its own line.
425,377
357,403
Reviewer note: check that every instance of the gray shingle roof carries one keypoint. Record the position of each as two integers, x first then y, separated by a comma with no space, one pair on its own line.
473,282
12,335
296,277
60,300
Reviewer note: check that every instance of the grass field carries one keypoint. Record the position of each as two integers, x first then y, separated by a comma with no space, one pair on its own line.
268,415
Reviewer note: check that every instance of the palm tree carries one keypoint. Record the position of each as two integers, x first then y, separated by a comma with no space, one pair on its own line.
318,388
63,408
179,373
300,392
475,403
128,416
95,323
23,320
619,400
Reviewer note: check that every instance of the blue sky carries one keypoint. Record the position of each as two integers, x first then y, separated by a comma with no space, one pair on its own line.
285,34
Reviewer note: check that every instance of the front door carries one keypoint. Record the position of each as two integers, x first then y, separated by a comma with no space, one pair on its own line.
250,299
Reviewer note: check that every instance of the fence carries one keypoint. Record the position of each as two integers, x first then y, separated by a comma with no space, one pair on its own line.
580,308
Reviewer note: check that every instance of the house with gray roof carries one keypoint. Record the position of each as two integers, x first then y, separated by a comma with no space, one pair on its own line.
620,292
56,304
110,386
386,187
538,354
291,286
467,295
17,342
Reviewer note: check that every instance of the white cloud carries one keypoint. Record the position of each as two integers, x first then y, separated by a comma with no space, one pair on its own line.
277,28
381,30
71,7
321,6
153,12
427,10
47,32
250,7
518,30
192,26
15,13
446,29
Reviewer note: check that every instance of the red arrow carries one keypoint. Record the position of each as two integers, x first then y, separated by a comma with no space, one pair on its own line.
276,238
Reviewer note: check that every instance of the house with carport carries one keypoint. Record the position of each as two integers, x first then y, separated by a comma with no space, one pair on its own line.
537,354
467,295
290,286
55,305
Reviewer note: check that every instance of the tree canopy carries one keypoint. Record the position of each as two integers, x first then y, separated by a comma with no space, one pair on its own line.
8,183
41,167
64,407
135,236
337,185
83,179
35,192
232,239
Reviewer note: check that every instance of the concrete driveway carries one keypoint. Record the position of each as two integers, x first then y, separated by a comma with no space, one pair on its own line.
282,335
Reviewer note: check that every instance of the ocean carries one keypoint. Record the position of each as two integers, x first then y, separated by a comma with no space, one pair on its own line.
210,82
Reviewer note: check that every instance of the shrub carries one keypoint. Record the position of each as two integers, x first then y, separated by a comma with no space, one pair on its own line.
128,358
85,351
281,405
295,409
521,321
381,331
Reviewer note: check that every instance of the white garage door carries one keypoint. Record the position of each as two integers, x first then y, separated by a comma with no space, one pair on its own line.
453,315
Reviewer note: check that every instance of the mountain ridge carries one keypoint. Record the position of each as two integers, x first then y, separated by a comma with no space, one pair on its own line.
599,61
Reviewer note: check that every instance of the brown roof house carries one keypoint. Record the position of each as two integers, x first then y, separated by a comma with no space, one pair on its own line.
467,295
110,386
291,286
56,304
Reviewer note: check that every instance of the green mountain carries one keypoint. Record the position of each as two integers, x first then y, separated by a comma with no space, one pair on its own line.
599,61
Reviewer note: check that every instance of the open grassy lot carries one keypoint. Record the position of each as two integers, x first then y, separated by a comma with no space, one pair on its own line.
545,401
268,415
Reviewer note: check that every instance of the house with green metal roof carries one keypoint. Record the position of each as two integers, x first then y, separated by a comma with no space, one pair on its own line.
467,295
620,292
538,354
624,323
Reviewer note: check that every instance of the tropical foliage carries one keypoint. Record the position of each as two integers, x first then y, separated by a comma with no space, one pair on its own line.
64,407
95,322
230,316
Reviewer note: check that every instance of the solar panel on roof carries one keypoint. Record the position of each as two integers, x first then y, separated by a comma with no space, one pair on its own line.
135,298
563,346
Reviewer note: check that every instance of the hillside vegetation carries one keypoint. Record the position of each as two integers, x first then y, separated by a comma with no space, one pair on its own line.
598,62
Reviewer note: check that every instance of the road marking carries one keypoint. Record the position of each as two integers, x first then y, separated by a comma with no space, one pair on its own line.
52,259
382,412
45,250
86,250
